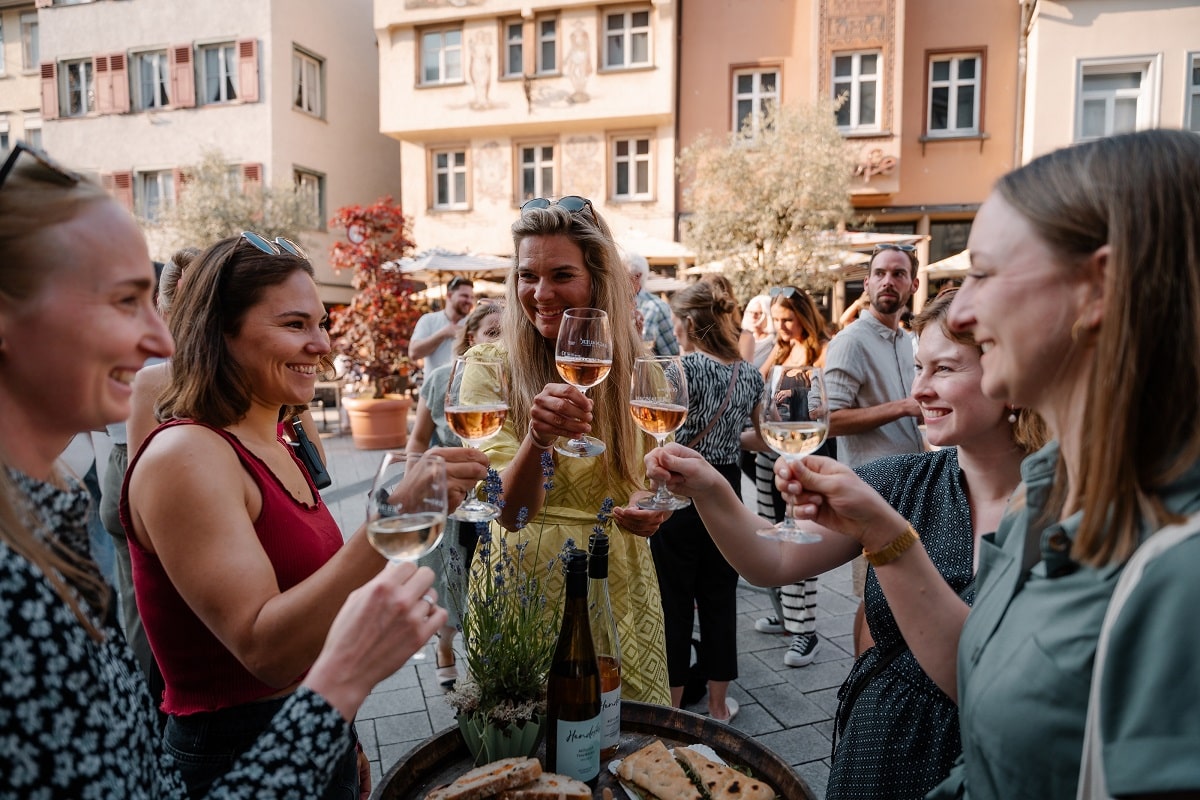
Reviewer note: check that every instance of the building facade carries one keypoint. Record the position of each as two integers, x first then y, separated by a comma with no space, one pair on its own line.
20,83
135,91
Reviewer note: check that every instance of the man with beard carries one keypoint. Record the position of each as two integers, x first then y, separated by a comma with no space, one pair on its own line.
433,336
868,376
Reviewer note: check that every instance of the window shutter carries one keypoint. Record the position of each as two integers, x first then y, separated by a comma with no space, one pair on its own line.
251,178
183,77
120,184
247,52
102,84
180,179
43,3
49,90
118,76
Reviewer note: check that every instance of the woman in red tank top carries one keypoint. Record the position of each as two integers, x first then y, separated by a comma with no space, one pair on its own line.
239,567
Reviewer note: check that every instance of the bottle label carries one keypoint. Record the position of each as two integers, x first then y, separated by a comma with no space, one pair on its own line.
578,751
610,717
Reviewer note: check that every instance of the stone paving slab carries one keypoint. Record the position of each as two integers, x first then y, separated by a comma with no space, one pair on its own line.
788,710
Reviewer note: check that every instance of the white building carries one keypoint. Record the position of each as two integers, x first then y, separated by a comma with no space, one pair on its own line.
287,91
20,86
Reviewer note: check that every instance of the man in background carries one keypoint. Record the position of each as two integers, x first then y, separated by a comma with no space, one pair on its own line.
433,336
658,328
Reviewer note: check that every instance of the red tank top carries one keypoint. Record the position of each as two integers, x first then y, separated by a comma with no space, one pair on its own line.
199,672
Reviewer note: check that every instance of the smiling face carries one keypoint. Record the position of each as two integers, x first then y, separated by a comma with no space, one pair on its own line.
281,342
947,385
71,350
461,301
551,277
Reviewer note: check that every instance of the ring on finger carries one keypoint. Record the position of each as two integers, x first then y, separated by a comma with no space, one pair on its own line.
432,605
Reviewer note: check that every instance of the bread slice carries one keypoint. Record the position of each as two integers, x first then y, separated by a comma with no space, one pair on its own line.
550,786
722,782
654,771
489,780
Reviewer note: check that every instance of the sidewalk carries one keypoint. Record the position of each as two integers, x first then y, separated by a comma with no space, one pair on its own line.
788,710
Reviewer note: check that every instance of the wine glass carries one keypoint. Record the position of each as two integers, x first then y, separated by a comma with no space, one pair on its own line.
658,400
795,420
583,355
476,407
406,509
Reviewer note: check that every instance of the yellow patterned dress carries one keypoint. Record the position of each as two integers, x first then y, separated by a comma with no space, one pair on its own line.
572,504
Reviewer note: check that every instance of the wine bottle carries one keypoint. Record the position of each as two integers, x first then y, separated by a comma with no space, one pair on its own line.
573,690
606,644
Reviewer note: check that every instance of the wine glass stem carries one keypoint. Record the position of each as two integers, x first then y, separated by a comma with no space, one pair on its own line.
662,493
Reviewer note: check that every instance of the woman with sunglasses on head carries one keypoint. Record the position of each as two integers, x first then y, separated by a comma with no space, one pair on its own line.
239,566
896,728
564,258
77,320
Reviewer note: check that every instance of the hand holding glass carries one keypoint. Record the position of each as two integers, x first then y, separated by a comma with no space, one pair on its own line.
658,400
795,420
406,509
476,407
583,355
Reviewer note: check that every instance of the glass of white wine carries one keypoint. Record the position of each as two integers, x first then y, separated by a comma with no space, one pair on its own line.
795,421
658,400
476,407
583,355
406,509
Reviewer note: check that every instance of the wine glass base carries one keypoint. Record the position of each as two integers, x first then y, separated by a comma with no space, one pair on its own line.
476,511
583,447
789,533
669,503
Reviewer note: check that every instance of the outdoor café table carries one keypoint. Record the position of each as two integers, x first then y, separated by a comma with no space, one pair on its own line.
442,758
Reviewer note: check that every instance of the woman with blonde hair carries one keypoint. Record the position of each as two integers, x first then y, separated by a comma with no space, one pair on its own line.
77,320
565,257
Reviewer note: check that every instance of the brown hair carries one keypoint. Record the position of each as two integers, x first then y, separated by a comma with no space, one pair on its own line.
816,331
1029,431
612,291
708,312
172,277
464,339
224,283
1135,193
34,201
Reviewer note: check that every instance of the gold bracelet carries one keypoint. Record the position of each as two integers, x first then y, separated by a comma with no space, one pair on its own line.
893,549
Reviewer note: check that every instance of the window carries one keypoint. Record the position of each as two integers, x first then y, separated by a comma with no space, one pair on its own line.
218,73
547,52
627,39
1113,98
514,49
154,192
856,78
450,179
441,56
153,79
78,88
33,129
954,83
2,67
4,144
311,187
631,168
755,93
536,164
1193,117
30,46
307,79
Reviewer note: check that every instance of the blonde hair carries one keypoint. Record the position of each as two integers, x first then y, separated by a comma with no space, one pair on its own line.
612,291
34,201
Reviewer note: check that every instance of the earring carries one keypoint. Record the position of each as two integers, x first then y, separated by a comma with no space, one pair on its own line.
1012,416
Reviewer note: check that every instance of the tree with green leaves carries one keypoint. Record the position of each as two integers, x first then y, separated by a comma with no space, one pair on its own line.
213,202
764,199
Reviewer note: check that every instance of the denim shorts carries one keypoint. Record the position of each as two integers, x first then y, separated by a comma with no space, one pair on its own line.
205,746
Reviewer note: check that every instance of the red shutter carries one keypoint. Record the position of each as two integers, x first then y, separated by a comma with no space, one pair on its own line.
181,179
102,85
118,72
183,77
121,186
247,52
251,178
49,90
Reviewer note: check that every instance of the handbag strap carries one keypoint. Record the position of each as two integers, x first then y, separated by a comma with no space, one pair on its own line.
724,404
1092,783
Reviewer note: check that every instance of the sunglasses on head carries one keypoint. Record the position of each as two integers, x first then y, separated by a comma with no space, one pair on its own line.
65,176
784,291
572,202
281,246
903,248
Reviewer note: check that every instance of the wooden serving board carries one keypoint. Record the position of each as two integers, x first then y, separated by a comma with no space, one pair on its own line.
442,758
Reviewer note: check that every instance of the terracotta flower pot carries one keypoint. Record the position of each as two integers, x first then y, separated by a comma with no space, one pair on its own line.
378,424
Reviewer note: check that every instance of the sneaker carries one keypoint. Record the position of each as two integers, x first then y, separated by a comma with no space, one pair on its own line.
768,625
802,650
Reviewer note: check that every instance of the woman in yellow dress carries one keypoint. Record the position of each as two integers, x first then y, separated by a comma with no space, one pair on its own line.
566,258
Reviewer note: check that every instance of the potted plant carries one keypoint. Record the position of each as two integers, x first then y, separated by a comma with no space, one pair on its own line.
374,330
